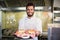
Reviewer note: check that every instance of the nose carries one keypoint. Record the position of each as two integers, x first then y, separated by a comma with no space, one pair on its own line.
29,10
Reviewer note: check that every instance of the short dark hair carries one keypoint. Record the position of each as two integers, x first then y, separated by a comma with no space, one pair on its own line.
30,4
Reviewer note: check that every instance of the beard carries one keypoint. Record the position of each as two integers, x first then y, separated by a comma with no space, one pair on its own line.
30,15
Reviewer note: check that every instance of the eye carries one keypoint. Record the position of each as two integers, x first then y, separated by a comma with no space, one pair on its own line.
27,9
31,9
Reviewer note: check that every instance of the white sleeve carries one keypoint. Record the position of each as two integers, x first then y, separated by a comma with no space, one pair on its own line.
21,25
39,26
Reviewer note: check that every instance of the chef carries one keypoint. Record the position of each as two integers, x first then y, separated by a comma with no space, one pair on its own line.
31,22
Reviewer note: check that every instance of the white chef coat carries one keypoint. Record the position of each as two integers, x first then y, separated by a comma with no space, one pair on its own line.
30,23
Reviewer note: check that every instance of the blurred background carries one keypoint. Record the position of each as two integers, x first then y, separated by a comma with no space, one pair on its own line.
11,11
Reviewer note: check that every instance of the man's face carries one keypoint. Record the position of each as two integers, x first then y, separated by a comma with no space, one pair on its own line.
30,11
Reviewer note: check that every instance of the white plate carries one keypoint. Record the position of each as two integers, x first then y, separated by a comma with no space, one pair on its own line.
26,37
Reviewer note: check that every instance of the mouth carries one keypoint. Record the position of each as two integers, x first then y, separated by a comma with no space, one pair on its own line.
30,14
